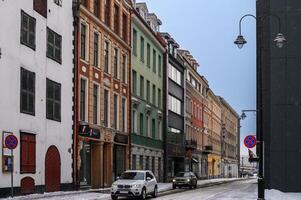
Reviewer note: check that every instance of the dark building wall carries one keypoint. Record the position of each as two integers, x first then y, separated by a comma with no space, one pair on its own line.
281,94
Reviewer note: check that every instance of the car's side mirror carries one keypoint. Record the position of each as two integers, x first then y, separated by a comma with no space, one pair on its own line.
148,178
117,178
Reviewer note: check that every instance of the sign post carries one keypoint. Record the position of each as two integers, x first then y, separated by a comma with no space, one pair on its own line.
11,142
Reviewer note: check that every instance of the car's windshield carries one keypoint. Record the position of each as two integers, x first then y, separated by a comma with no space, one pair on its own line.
183,174
132,176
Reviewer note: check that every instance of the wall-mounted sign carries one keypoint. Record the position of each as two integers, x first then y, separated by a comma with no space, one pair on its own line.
120,138
86,131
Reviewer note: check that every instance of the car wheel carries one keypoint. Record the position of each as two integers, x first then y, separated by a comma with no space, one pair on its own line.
196,185
113,197
143,194
173,186
190,186
155,193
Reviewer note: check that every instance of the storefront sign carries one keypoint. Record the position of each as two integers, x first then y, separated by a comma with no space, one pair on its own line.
86,131
120,138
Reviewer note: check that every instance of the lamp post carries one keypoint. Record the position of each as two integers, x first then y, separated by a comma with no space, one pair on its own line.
279,42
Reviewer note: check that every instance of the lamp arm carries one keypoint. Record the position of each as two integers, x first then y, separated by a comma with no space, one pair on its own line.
247,15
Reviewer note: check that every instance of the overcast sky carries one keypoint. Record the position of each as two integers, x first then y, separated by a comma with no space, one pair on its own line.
207,28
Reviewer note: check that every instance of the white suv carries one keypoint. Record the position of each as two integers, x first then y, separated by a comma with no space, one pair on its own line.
135,183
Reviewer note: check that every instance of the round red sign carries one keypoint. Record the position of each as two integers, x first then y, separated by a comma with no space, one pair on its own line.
11,141
250,141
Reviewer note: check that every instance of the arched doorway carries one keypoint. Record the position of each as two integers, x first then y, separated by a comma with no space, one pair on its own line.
52,170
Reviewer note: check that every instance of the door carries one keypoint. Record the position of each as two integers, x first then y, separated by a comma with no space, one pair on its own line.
119,161
52,170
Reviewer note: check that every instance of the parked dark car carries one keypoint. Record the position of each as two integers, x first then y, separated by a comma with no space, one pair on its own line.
185,179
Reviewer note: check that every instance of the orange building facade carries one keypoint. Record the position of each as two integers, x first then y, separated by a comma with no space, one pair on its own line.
102,92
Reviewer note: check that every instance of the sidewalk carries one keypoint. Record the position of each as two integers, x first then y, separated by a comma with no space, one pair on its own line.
163,189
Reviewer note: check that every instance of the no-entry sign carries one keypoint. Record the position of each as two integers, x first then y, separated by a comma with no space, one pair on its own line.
250,141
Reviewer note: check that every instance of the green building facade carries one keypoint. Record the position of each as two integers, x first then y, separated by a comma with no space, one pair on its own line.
147,92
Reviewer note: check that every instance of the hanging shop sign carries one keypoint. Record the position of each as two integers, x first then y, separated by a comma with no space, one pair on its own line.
87,131
121,138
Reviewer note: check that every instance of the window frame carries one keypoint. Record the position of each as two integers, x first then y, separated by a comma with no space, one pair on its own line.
54,46
54,101
22,41
23,70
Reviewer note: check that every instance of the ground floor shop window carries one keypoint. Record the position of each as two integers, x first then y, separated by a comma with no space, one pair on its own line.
85,163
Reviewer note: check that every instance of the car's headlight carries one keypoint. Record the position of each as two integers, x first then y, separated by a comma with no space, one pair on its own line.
187,180
114,185
173,180
136,186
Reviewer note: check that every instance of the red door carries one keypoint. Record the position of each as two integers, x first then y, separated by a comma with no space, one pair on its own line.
52,170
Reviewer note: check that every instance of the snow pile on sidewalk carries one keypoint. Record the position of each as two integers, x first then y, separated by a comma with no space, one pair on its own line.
278,195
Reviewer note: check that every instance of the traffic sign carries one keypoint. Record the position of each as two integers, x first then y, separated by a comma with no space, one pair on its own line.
11,141
250,141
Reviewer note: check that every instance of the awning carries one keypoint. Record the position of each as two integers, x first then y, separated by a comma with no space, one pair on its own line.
194,160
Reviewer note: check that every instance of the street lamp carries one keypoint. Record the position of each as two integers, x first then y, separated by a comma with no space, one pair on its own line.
279,39
243,113
240,41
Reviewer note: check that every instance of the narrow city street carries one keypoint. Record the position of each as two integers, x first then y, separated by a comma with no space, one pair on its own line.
238,190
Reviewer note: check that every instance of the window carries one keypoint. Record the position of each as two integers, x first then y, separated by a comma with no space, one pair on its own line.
148,54
159,98
106,54
142,49
154,61
123,115
140,162
107,12
53,108
83,38
134,85
40,7
123,65
160,66
95,104
28,153
28,30
153,128
141,124
27,93
83,104
174,74
134,121
54,45
134,42
134,162
115,112
148,127
147,90
96,47
124,27
96,8
154,94
116,19
106,108
174,105
115,63
159,130
153,165
141,87
147,163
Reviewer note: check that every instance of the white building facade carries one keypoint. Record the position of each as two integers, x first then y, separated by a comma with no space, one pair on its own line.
36,72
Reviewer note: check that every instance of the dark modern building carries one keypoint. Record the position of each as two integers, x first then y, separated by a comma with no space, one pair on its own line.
173,120
281,93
